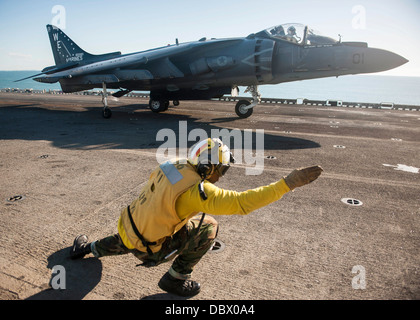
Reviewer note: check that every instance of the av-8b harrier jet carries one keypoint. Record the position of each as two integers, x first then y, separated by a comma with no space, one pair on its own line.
211,68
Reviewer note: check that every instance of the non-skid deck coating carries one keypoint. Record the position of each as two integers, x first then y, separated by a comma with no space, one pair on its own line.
65,170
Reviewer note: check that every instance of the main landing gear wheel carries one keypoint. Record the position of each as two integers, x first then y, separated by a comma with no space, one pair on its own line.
241,109
176,103
158,105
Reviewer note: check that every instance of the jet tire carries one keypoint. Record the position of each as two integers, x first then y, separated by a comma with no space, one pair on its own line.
158,105
106,113
240,109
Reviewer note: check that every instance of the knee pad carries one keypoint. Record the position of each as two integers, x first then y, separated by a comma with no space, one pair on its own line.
211,222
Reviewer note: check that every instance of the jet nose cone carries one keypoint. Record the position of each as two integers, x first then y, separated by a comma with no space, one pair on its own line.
396,60
381,60
403,60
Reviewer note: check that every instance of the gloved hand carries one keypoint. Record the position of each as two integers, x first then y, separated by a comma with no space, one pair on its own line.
299,177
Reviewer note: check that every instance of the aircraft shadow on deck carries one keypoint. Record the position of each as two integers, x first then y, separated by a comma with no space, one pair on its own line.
130,128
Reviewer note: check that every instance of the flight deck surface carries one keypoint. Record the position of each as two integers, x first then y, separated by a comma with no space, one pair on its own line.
352,234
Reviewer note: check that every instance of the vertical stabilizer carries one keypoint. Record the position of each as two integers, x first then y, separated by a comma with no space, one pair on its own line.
66,51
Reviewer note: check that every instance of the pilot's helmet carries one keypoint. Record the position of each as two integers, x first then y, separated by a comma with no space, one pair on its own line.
279,30
291,30
209,156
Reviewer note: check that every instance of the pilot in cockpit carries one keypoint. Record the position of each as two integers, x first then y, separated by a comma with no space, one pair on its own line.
291,34
278,31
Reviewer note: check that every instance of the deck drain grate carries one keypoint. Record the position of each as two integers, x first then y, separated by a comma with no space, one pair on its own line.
352,202
217,247
15,198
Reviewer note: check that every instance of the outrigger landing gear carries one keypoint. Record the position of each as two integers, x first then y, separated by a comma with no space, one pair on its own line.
244,108
106,111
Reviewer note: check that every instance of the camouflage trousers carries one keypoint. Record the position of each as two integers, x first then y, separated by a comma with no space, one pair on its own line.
188,245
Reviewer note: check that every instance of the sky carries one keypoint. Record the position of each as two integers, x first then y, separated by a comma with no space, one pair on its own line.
101,26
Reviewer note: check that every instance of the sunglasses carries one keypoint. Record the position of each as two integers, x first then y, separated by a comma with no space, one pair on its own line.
222,169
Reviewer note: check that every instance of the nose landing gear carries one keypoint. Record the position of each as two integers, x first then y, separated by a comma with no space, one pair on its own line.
244,108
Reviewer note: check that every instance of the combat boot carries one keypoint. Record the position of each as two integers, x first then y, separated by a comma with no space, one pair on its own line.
80,248
184,288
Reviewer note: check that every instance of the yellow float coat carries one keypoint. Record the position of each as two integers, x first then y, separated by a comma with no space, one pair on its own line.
171,209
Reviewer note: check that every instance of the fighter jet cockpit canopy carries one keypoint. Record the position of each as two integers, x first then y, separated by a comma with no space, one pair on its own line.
297,33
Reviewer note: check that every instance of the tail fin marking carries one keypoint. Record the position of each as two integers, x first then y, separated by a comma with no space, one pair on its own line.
65,50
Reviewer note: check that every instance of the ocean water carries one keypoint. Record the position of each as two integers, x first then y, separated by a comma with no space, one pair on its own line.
357,88
7,79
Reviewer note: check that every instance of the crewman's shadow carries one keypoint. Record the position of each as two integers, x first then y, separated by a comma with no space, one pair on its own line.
81,276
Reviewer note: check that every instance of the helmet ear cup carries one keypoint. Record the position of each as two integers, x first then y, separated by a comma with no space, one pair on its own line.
204,170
